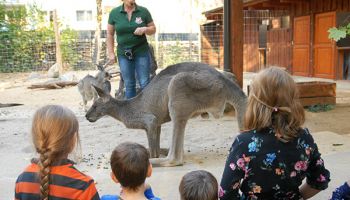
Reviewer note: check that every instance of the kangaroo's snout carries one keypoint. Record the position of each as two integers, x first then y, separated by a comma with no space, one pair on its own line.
89,118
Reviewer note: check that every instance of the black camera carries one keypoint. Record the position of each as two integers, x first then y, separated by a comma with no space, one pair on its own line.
128,54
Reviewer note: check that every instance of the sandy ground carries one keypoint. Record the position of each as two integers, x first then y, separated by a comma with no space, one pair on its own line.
206,142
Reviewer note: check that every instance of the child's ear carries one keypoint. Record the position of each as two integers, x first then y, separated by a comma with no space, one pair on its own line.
149,170
114,178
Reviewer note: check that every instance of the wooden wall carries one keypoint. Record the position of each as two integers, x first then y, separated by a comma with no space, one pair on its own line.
279,48
212,49
278,41
250,42
318,6
314,8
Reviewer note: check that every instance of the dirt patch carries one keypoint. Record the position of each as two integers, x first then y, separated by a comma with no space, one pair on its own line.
206,141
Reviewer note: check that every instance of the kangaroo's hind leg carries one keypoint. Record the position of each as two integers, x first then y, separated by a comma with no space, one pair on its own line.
175,155
181,108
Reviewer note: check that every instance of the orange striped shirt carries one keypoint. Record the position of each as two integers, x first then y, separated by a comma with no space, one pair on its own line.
66,182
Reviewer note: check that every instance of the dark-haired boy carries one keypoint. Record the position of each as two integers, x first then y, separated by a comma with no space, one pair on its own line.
130,167
198,185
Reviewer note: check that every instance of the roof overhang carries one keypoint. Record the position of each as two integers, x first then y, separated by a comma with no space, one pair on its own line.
260,5
215,10
271,4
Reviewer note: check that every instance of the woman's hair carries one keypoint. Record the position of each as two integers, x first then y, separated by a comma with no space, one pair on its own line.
129,163
197,185
274,101
55,134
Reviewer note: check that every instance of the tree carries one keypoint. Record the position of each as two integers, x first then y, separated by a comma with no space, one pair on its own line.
25,39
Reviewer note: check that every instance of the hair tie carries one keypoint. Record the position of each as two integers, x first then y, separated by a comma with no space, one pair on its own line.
274,109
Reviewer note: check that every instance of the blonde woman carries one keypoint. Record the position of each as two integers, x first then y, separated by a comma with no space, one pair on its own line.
275,154
130,23
53,176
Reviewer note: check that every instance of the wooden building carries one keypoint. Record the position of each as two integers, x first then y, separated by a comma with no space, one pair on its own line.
287,33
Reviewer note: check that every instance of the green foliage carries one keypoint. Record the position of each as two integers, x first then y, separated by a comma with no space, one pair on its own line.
338,33
320,108
69,52
173,53
25,38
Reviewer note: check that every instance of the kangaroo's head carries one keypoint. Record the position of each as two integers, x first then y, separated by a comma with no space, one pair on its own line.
100,107
102,74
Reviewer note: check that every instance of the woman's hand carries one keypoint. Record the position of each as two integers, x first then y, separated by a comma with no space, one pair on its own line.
111,59
140,30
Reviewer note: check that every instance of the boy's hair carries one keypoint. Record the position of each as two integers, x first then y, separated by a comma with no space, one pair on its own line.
274,101
198,185
129,163
55,134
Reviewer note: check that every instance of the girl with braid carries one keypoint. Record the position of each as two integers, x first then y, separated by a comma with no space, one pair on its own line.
275,154
53,176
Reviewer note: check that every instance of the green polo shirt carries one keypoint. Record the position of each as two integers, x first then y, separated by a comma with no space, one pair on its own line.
125,28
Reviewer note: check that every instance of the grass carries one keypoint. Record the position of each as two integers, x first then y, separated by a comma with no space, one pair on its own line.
320,108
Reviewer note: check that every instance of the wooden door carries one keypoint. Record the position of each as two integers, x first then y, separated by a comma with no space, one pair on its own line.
301,46
324,48
278,48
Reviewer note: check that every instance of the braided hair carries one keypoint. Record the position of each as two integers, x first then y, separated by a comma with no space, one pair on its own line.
55,134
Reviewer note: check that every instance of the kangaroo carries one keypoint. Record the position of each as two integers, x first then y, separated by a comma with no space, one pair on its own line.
176,94
101,80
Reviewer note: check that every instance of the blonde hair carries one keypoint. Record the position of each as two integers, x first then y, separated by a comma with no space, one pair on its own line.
55,134
274,101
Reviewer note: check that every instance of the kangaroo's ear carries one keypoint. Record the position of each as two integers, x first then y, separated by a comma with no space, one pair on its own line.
100,92
99,67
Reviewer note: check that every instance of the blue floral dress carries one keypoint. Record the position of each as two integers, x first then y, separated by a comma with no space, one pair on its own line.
263,167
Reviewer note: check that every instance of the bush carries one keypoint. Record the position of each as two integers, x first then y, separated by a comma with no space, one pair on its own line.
320,108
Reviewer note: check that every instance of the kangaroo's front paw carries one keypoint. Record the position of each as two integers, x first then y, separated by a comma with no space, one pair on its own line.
205,115
165,162
164,152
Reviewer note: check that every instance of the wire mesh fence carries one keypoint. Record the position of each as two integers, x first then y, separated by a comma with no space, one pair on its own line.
212,41
78,53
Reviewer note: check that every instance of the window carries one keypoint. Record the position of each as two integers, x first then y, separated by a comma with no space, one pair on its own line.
84,15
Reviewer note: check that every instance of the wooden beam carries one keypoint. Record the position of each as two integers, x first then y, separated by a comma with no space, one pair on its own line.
293,1
318,100
276,5
252,3
261,7
227,35
236,39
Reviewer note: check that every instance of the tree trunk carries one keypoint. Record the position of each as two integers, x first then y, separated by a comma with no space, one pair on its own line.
97,45
58,43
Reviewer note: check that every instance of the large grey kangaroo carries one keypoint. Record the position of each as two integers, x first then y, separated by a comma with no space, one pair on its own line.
176,94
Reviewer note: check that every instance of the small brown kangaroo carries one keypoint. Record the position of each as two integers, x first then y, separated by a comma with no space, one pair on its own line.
176,94
101,80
